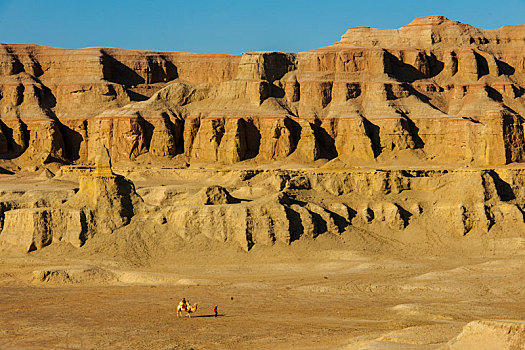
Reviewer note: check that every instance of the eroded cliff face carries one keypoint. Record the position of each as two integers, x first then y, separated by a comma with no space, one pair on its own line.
49,97
389,139
433,92
462,211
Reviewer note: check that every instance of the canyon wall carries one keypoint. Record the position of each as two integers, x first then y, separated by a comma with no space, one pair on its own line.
462,211
434,92
397,139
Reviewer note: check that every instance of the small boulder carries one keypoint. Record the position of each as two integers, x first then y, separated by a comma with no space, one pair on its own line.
299,182
213,195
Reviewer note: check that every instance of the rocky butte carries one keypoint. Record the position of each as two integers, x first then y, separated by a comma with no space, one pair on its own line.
386,130
403,141
402,127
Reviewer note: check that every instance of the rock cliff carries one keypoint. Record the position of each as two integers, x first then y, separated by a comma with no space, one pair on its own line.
388,139
433,92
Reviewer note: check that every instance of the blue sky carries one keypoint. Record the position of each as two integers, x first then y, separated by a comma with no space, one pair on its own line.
226,26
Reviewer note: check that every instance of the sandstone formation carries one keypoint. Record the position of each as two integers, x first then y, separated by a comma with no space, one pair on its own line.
380,136
103,203
434,92
463,210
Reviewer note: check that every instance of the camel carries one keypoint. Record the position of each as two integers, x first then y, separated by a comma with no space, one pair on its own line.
192,309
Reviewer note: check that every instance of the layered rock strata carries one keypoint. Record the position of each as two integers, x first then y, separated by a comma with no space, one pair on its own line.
413,137
417,211
433,92
103,203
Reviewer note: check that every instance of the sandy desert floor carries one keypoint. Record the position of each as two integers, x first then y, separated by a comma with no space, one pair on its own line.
333,299
313,294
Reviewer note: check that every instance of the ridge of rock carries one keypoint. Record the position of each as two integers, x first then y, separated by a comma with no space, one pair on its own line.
434,92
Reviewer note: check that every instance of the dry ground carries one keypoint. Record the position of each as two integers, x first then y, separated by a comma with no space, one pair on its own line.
317,294
328,300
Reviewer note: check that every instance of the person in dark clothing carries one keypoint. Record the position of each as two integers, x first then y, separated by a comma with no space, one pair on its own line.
215,310
183,304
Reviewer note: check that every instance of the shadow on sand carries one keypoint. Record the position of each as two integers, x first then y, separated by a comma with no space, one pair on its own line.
212,315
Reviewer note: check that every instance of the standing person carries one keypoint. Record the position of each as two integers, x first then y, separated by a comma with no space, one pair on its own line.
215,310
182,304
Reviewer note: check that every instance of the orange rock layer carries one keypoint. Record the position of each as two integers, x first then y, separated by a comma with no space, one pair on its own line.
433,92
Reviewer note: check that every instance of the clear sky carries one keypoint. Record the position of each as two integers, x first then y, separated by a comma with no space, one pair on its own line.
227,26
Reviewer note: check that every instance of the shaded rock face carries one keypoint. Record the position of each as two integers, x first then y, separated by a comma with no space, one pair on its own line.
435,91
263,222
462,209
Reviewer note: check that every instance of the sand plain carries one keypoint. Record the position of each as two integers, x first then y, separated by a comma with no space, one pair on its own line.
332,299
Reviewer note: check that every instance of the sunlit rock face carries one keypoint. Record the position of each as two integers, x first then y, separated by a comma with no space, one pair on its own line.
432,92
416,129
